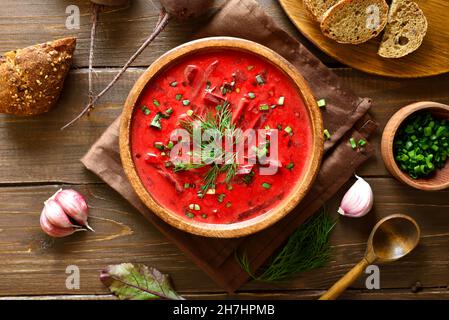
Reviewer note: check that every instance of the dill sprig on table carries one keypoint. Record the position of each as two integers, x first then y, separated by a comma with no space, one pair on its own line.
306,249
221,125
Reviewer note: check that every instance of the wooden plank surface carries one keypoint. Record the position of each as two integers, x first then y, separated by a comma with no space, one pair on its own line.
36,159
39,263
120,31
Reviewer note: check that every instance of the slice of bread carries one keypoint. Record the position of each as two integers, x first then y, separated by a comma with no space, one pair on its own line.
405,29
355,21
318,7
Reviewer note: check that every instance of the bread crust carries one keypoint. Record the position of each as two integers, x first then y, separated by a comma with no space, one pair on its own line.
31,79
309,5
325,22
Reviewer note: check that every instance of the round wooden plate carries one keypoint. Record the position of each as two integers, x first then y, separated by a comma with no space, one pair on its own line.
257,223
431,58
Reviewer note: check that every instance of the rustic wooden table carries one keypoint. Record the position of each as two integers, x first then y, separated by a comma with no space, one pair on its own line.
36,159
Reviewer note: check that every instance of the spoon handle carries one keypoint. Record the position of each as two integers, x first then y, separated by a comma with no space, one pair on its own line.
345,281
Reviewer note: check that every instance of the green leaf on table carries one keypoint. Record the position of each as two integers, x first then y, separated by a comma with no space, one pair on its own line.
138,282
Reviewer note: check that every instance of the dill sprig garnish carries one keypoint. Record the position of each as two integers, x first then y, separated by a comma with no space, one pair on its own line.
306,249
221,125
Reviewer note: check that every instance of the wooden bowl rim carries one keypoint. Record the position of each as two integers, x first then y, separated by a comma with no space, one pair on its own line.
387,141
259,222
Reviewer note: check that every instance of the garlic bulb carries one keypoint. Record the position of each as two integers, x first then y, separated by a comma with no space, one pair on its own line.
64,213
74,206
358,200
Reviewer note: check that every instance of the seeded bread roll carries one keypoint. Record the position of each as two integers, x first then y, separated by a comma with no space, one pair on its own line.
31,79
355,21
405,29
318,7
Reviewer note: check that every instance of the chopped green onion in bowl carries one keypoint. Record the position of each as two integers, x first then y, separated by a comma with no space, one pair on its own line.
421,145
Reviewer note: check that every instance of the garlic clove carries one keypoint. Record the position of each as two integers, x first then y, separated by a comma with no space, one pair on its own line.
56,215
358,200
74,205
54,231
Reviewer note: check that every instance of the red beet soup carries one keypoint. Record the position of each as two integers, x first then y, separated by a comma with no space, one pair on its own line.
221,89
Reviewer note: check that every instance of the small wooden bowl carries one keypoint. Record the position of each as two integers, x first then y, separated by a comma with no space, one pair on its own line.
259,222
437,181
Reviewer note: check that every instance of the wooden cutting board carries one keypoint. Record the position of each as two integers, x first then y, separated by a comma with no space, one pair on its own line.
431,58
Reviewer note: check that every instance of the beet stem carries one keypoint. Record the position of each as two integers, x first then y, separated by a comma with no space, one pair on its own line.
95,15
163,20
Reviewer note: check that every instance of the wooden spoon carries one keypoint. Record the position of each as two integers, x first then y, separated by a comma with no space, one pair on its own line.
391,238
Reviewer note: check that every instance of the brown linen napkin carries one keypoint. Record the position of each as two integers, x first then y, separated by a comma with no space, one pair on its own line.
344,116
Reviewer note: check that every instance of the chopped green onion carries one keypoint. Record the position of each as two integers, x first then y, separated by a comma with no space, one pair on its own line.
169,111
327,134
249,68
204,216
186,185
264,107
178,97
281,101
321,103
145,110
228,204
288,130
173,84
362,142
266,185
189,112
208,84
259,79
156,122
159,145
167,164
221,197
251,95
186,102
290,166
352,143
170,145
210,191
229,187
156,103
194,206
190,215
248,178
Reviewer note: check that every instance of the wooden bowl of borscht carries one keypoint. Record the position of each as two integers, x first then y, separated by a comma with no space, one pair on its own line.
221,137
